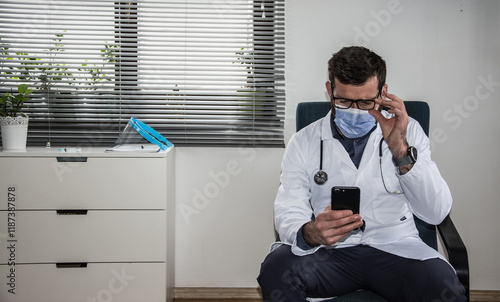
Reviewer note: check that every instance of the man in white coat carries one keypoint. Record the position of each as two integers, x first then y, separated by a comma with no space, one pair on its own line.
327,253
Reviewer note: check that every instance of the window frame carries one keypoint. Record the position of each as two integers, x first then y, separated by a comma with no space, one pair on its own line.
260,122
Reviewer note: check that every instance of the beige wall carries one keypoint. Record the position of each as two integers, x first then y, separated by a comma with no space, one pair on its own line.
444,52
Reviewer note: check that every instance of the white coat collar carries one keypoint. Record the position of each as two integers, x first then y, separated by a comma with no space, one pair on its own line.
326,128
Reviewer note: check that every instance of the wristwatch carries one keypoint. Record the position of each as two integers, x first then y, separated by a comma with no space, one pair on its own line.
410,158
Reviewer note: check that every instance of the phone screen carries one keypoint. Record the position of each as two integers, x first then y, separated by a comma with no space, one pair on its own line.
346,198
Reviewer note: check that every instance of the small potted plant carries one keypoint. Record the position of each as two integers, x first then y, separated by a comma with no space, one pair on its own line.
14,123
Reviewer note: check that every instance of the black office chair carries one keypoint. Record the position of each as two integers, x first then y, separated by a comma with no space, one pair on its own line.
309,112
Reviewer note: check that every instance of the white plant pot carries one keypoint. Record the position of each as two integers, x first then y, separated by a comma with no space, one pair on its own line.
14,133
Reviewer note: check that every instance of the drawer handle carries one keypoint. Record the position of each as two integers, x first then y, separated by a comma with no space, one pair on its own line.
71,265
72,212
72,159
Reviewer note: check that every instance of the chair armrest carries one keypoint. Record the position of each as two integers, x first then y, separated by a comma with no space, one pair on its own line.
457,252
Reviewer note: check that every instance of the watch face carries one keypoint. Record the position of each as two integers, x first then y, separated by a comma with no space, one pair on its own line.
413,153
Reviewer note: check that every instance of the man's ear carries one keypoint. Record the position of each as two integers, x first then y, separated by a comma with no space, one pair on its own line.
384,91
328,85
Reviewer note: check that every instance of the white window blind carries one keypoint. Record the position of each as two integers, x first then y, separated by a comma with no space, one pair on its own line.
199,72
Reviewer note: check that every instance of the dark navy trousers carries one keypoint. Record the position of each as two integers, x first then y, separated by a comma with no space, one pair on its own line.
334,272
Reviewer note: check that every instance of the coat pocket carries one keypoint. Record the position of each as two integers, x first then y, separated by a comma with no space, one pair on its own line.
389,204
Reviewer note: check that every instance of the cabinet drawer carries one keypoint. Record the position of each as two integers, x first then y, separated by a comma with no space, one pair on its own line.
97,183
94,236
117,282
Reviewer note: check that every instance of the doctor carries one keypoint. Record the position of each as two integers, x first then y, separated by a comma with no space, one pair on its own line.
326,253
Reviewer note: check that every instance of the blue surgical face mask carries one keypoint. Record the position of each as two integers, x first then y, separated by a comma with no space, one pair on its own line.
354,123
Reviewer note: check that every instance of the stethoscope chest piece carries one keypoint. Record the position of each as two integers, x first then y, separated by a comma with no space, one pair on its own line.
320,177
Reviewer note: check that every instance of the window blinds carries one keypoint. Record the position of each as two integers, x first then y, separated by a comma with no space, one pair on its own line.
199,72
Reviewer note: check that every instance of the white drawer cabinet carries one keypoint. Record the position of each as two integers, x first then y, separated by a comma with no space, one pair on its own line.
130,282
98,236
97,183
90,226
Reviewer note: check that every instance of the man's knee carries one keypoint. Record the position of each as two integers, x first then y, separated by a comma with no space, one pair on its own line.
450,290
441,283
283,275
278,270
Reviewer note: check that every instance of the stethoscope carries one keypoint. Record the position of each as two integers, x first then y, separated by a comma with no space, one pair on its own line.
321,177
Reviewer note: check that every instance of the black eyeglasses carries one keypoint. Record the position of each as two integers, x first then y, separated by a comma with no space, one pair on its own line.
343,103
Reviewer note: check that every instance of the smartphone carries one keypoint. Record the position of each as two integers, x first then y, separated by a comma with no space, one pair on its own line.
345,198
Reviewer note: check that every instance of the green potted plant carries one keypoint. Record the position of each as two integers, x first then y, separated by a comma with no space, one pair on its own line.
13,122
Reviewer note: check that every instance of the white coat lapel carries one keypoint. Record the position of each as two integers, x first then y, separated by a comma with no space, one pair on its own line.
371,148
333,148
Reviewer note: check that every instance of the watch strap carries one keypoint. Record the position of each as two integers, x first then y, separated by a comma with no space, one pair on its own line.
407,160
403,161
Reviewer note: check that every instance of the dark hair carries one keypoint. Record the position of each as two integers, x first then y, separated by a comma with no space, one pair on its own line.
355,65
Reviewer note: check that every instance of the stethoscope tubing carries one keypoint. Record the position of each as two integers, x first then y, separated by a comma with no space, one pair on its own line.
321,177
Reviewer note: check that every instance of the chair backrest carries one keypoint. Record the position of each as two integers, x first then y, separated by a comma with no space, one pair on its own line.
308,112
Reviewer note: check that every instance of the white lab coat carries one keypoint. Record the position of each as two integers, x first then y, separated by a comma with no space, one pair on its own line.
389,218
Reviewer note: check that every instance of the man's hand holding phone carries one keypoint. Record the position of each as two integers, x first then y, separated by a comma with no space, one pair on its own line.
330,226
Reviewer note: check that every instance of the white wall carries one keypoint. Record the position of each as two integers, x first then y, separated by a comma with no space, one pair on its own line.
224,221
444,52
